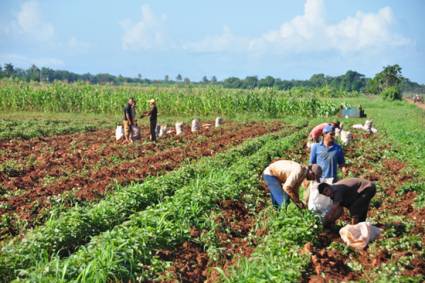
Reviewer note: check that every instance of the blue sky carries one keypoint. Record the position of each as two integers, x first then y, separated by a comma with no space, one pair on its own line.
286,39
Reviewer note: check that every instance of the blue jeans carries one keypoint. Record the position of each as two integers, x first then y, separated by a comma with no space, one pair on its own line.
278,195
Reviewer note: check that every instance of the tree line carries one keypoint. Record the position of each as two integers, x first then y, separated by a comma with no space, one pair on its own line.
350,81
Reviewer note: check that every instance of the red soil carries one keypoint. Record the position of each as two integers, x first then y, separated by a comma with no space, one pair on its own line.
89,164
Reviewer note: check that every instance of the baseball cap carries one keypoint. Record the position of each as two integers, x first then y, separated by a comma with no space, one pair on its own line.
328,129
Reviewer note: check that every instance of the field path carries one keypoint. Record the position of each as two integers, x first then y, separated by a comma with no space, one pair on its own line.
418,104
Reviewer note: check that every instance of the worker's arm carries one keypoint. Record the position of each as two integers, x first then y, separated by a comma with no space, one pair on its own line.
147,113
333,214
364,186
341,161
313,155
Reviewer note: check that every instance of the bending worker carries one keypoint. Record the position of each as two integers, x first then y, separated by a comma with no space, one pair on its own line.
352,193
284,177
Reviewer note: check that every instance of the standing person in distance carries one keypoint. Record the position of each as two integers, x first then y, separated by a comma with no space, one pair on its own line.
153,115
129,120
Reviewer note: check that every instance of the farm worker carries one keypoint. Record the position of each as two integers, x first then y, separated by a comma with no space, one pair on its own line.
129,119
284,177
328,155
352,193
316,132
152,113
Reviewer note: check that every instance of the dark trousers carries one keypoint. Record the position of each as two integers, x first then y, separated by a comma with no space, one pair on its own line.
153,130
359,208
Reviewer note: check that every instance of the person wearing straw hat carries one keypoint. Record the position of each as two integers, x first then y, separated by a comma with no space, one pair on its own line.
284,177
152,113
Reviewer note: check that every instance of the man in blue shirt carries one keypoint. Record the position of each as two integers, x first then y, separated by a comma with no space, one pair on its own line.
328,155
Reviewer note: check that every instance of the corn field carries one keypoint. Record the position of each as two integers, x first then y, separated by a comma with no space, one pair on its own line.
174,100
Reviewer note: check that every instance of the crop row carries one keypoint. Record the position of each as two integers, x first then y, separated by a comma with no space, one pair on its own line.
127,252
60,97
279,258
75,227
30,128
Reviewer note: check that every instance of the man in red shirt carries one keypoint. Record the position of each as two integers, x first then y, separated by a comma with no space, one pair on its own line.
316,133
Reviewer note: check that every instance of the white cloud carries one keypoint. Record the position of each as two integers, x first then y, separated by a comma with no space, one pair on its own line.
75,45
29,21
365,31
147,33
225,42
25,62
311,32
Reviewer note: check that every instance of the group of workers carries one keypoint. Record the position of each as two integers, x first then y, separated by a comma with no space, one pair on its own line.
284,178
129,119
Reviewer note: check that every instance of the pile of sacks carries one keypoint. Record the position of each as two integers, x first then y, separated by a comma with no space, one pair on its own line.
163,130
345,136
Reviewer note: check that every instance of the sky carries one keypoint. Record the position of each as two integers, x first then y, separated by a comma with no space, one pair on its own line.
286,39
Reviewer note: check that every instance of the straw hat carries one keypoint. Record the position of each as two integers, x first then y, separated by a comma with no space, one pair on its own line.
152,101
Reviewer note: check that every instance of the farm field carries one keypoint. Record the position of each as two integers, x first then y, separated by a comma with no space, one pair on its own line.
82,207
81,167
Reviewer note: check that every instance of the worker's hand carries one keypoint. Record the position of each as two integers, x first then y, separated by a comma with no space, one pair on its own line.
344,170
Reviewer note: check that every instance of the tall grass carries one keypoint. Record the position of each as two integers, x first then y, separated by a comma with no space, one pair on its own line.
173,100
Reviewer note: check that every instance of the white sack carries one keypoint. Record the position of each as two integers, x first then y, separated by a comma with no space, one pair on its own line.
358,236
119,133
196,125
179,128
218,122
317,202
135,132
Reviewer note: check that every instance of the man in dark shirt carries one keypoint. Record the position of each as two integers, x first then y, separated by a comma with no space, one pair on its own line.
128,120
153,113
352,193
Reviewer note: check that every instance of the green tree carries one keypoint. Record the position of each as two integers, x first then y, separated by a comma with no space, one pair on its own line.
9,70
391,93
266,82
250,82
318,80
214,79
387,83
232,82
34,73
390,76
205,80
179,78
